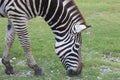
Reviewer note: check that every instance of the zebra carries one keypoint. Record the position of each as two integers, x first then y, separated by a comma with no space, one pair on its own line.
64,19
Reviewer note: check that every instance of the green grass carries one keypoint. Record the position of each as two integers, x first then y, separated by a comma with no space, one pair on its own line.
103,39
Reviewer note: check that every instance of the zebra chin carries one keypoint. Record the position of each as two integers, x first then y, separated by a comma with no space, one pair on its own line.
74,72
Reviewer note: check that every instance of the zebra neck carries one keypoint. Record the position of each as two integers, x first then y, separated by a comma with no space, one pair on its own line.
58,12
61,16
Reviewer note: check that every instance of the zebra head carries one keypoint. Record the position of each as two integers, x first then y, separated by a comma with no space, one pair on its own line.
69,49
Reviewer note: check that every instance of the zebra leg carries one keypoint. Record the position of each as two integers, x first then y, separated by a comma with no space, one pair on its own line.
23,35
9,39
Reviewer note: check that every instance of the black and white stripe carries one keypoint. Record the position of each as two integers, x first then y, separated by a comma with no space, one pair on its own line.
64,18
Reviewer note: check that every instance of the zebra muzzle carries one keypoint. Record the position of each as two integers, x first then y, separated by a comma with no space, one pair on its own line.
72,72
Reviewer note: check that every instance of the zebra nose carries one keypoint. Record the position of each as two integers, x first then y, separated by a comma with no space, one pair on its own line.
72,72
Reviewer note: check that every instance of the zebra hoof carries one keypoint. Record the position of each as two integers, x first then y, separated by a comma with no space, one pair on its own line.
38,71
9,71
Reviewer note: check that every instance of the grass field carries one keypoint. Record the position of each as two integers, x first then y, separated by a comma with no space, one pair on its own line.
100,48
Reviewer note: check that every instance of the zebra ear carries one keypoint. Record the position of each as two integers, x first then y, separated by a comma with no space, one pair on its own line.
79,28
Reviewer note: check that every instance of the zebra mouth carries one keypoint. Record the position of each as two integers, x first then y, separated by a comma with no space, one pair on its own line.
72,72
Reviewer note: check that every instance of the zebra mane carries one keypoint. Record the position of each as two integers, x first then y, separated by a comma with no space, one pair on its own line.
84,21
